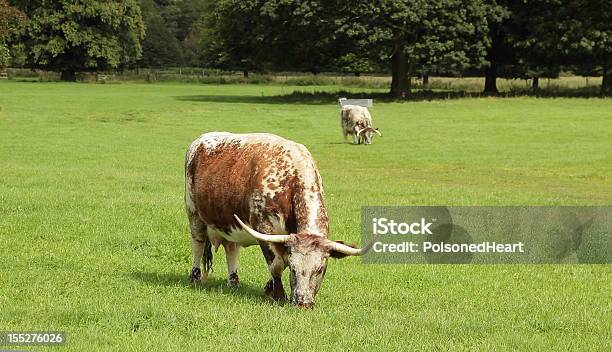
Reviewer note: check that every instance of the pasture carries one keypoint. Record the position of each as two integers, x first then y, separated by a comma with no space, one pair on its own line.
94,238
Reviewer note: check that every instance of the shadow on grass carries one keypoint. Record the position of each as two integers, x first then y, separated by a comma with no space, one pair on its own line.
331,97
212,285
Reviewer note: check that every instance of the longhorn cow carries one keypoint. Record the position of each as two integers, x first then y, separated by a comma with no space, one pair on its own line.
260,189
357,121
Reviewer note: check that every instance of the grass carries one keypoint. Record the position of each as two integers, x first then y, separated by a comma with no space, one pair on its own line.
94,239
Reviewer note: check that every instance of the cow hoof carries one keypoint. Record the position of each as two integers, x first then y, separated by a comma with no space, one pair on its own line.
280,297
196,275
233,280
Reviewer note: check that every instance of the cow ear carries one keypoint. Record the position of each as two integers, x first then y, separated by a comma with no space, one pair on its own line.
339,255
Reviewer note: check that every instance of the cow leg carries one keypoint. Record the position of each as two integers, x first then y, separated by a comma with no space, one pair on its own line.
345,134
199,242
232,254
274,287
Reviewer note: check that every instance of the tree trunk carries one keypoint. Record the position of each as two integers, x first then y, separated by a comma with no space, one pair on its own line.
425,80
491,79
535,84
399,75
68,75
357,74
606,82
245,73
494,54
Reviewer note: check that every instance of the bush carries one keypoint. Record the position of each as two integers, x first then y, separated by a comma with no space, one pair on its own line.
310,80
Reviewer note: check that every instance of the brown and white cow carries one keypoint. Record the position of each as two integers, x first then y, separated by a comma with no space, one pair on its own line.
357,121
274,186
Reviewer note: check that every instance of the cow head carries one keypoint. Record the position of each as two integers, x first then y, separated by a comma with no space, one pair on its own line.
365,134
308,254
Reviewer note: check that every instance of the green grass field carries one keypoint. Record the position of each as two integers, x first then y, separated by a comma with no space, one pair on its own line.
94,238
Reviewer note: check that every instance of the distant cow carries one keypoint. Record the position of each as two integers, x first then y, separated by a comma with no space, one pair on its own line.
357,121
274,186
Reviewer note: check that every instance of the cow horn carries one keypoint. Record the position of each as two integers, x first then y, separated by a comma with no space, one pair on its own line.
377,131
261,236
359,131
348,250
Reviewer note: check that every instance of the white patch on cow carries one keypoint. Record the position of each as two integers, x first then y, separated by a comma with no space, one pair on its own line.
197,249
232,255
237,235
189,202
306,169
212,140
189,197
313,212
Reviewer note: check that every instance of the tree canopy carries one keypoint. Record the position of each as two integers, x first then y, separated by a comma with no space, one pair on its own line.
415,36
69,36
406,38
398,35
12,21
170,29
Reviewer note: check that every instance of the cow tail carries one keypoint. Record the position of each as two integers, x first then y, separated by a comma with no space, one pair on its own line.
207,257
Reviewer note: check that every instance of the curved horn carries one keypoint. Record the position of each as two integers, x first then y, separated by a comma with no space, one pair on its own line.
348,250
359,131
261,236
377,131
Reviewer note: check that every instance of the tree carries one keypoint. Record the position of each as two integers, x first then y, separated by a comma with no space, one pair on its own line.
233,35
5,56
409,35
582,33
299,35
189,14
537,38
11,24
194,45
170,23
312,36
70,36
499,51
12,20
160,46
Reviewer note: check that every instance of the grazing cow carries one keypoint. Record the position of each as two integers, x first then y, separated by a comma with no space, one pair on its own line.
249,189
357,121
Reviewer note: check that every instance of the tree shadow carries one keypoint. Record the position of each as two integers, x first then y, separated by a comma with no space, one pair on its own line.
331,97
211,285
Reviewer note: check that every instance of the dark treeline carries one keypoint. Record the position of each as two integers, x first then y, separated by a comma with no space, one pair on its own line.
174,31
406,38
